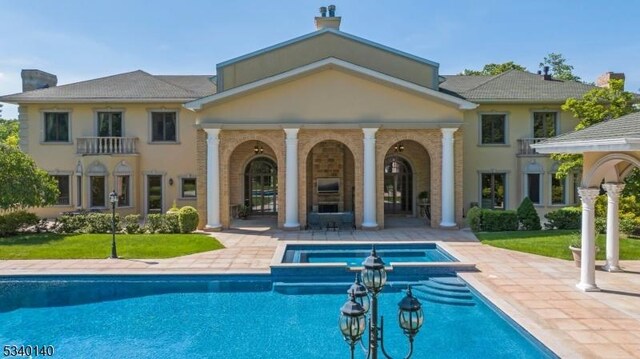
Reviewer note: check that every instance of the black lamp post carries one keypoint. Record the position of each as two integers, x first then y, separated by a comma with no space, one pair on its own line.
354,311
113,198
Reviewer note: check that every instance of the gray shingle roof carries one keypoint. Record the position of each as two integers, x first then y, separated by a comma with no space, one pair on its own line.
129,86
625,127
513,86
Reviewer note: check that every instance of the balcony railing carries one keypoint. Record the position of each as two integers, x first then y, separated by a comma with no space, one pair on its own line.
106,145
524,146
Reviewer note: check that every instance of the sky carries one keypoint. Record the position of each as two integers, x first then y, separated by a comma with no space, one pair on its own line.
80,40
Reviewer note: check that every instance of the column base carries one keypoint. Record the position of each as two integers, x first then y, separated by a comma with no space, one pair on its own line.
212,228
370,227
448,225
586,287
612,268
291,227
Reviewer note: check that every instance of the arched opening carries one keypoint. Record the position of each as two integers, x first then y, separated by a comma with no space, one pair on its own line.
261,186
398,186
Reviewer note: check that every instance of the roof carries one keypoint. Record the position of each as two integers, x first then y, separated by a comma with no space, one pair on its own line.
128,87
513,86
622,133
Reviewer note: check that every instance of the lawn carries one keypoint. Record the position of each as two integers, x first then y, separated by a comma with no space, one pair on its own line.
86,246
553,243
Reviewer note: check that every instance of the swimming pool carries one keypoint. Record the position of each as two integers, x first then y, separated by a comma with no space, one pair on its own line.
239,317
354,254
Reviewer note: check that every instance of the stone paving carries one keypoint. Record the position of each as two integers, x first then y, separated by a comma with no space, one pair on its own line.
538,292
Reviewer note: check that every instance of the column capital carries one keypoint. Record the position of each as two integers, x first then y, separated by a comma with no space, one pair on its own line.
588,195
292,133
212,132
613,189
448,131
369,133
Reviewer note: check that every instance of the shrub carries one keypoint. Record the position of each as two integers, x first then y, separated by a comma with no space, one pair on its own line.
162,223
188,218
474,218
131,224
601,225
499,221
72,224
154,223
12,222
101,223
528,216
564,218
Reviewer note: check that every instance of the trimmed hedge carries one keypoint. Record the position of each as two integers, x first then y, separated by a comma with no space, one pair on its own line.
12,222
474,217
528,216
564,218
188,219
87,223
488,220
131,224
162,223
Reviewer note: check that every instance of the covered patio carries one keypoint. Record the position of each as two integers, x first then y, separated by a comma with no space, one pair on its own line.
611,149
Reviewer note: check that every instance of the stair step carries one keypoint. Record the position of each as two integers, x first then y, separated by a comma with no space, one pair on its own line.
450,281
447,301
444,287
442,293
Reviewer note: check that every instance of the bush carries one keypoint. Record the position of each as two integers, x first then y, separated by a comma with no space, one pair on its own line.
499,221
131,224
188,217
154,223
528,216
601,225
162,223
72,224
474,218
564,218
12,222
101,223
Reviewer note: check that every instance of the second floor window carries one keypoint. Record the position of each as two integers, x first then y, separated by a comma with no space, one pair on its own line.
110,124
493,129
163,127
56,127
544,124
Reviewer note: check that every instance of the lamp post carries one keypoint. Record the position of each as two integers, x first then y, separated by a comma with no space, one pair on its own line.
113,198
364,297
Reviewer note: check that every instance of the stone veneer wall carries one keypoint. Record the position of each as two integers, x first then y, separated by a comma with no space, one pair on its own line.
330,159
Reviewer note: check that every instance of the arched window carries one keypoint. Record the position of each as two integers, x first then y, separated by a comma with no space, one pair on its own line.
97,185
261,186
398,186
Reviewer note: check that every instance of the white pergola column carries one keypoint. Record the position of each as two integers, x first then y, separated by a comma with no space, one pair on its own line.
213,179
588,260
369,220
448,179
291,220
613,225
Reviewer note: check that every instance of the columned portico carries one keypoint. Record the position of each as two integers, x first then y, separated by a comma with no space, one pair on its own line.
588,261
448,179
213,179
369,180
291,182
613,225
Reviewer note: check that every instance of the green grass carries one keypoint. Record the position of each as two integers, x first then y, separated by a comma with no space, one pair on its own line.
87,246
553,243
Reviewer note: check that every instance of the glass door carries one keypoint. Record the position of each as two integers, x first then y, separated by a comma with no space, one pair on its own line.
398,186
154,194
261,186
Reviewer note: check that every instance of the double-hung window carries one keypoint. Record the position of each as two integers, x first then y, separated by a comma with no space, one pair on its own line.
56,127
164,127
493,129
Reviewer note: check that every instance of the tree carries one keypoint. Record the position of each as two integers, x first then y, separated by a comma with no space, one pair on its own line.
9,132
559,68
597,105
22,183
494,69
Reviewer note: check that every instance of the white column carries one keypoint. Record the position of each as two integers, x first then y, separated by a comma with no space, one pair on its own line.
613,225
369,220
448,179
588,259
213,179
291,220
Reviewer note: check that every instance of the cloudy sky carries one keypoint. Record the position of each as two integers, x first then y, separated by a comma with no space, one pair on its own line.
79,40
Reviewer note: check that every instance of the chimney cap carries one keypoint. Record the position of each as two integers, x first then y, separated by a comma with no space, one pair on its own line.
323,11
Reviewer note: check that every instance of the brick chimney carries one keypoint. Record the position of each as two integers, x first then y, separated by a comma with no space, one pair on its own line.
328,22
603,80
36,79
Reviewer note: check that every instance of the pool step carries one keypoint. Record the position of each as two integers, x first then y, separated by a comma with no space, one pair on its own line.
449,281
444,290
444,300
442,293
444,287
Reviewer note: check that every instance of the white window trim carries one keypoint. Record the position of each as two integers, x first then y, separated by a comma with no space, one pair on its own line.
506,185
180,178
507,142
78,190
71,197
108,109
43,111
544,110
150,112
565,194
145,186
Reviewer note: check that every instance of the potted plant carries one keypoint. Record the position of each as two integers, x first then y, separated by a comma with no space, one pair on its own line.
576,249
424,197
243,212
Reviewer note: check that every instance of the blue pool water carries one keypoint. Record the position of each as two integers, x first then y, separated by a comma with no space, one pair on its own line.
238,317
354,254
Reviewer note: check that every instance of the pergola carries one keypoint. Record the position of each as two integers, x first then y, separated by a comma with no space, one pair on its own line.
610,149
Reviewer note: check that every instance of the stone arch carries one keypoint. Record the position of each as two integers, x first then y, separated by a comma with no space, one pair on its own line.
607,168
96,168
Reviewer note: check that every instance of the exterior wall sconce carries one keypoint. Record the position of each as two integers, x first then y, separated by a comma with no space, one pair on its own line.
258,149
170,181
398,147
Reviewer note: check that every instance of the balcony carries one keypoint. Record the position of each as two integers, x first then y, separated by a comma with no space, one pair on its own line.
524,146
106,145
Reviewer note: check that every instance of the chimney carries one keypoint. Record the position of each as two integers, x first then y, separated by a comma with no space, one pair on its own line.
328,22
546,75
603,80
36,79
